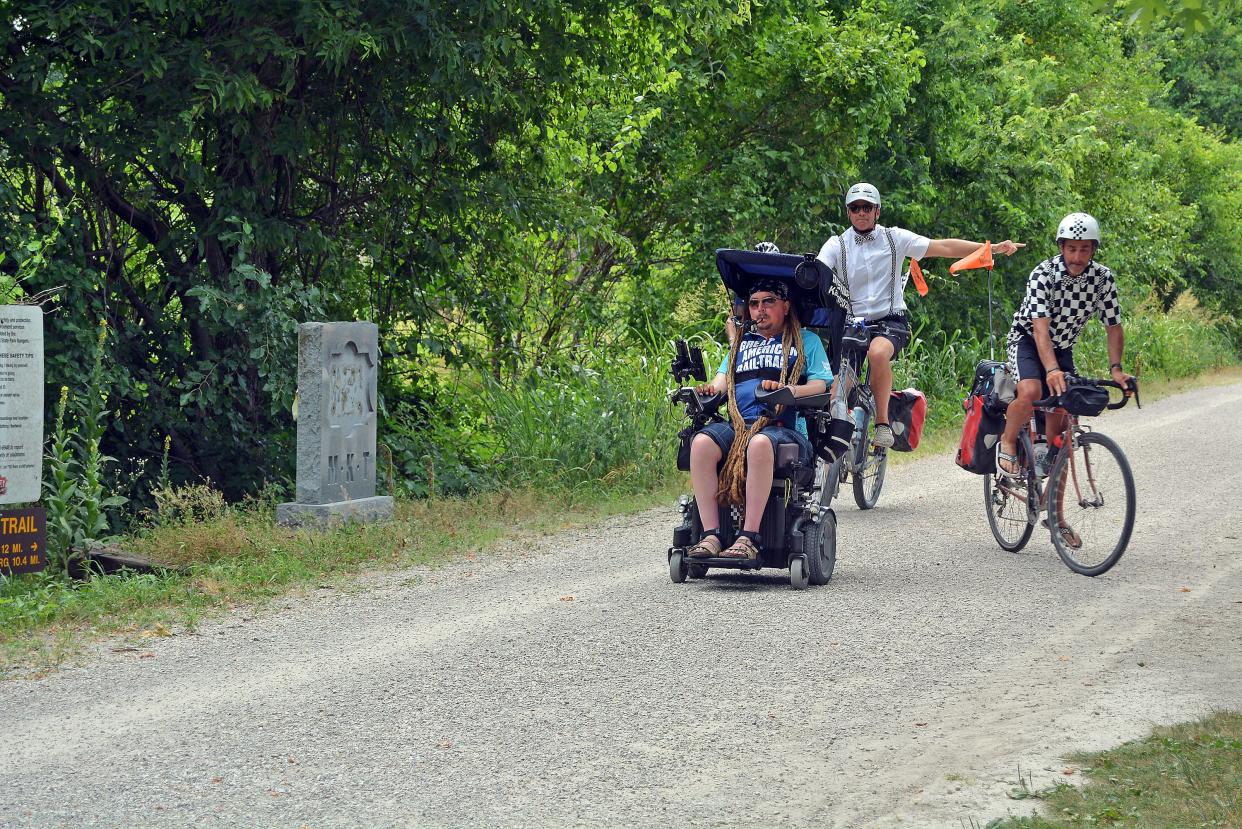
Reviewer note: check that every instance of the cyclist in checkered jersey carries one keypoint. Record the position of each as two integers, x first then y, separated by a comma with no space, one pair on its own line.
1062,295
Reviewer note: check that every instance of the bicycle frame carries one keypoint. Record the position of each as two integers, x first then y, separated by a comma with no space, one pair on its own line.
847,382
1066,437
1037,481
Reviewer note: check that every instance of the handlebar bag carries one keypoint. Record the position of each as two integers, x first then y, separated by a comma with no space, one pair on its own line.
684,438
907,410
1084,398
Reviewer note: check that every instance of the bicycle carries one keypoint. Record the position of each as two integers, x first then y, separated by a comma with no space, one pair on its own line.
1093,476
863,464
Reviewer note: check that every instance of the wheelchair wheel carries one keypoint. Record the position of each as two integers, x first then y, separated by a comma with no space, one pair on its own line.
821,548
697,571
797,573
677,567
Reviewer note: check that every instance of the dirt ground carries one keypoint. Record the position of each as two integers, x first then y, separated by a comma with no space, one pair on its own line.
567,682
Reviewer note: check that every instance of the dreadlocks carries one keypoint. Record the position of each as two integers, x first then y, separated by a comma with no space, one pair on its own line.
732,485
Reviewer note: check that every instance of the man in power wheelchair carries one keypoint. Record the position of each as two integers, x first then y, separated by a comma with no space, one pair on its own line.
753,470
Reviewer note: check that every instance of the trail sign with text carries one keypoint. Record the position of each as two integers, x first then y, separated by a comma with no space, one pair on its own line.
23,540
21,403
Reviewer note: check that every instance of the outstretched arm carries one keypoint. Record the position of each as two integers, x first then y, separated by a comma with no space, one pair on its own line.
957,248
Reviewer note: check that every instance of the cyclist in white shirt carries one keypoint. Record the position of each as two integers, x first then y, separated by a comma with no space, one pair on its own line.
866,260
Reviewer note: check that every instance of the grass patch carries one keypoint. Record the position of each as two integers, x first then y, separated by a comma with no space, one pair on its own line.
1187,775
239,557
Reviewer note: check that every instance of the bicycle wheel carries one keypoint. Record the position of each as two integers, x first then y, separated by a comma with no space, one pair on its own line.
1091,491
1008,501
869,478
828,478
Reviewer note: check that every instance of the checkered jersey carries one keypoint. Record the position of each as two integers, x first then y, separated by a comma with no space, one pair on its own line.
1067,302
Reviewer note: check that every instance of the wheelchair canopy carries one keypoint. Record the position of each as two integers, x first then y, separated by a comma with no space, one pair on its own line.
810,281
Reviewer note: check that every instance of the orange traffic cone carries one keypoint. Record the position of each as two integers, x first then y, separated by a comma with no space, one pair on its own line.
982,258
920,284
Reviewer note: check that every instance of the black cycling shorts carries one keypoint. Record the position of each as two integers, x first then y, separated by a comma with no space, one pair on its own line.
1025,363
895,328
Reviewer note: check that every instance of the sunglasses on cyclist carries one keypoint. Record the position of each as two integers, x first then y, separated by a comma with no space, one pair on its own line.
861,207
765,301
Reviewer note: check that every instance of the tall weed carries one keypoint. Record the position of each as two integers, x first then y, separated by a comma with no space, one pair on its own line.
74,493
605,424
1187,340
941,365
449,453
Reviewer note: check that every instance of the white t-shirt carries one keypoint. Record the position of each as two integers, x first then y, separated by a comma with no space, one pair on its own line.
873,270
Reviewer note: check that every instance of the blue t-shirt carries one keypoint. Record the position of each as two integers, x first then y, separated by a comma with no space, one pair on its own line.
759,359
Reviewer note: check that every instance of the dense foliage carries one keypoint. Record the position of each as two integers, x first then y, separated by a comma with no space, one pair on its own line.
524,195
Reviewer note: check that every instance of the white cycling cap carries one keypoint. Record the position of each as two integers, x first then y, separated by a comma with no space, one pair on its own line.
862,191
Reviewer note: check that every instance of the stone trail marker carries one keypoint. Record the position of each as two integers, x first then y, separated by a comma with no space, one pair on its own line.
338,378
22,534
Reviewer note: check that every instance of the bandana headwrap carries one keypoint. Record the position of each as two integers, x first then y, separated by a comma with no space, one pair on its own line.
774,286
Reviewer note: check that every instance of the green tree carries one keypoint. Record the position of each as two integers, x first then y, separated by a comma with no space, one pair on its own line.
206,174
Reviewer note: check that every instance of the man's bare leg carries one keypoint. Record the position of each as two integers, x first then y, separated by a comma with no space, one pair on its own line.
760,468
705,456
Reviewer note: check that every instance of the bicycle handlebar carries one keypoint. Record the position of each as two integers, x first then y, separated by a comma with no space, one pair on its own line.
1129,389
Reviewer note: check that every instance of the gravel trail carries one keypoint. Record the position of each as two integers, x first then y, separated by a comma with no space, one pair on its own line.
570,683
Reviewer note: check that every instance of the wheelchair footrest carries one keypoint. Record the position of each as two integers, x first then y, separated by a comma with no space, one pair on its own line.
736,563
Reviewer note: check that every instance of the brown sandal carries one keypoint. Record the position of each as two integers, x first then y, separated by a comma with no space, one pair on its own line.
1071,538
742,548
708,547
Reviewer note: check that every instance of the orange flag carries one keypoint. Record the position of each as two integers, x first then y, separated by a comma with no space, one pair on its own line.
920,284
982,258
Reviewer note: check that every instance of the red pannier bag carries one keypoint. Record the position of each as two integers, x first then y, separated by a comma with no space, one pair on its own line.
907,409
980,432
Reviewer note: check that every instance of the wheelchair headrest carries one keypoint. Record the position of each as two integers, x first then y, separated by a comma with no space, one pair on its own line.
809,280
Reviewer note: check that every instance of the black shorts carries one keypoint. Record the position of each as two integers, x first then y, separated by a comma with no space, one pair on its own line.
895,328
723,435
1025,364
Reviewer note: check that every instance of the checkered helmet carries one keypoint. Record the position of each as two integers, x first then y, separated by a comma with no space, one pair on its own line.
1078,226
767,247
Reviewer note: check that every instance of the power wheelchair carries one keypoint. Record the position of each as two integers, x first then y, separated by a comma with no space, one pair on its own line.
799,529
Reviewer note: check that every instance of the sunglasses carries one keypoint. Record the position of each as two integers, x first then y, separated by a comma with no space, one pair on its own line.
766,302
861,207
